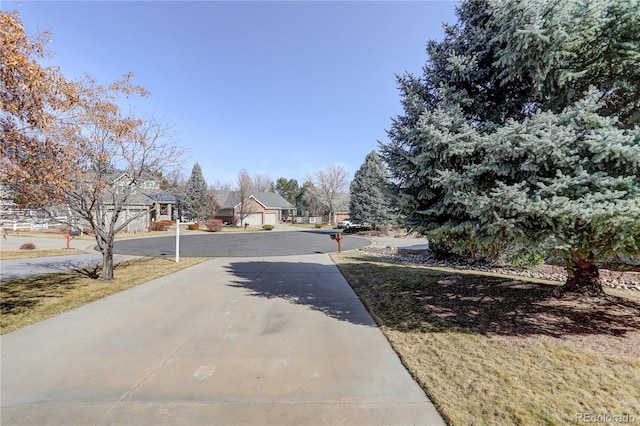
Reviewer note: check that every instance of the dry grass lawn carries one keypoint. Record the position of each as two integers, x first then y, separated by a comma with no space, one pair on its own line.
492,350
29,254
28,300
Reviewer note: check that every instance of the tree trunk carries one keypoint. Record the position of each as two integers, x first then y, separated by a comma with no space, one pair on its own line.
583,275
107,261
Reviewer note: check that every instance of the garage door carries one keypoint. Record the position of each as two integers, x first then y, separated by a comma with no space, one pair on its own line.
270,218
254,219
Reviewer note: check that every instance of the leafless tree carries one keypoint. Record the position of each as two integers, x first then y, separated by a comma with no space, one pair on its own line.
262,183
222,186
244,188
100,194
327,184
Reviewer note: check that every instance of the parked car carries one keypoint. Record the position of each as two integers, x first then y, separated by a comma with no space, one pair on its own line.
345,223
349,223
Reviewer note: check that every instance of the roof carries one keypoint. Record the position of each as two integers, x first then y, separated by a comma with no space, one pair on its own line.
273,200
163,197
270,200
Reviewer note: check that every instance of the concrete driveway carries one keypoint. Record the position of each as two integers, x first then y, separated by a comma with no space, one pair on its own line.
251,341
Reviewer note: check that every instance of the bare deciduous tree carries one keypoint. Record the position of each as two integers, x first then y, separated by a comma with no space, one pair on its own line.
115,166
70,143
222,186
262,183
244,188
327,184
212,205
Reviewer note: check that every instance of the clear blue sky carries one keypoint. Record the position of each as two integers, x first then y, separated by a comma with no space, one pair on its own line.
277,88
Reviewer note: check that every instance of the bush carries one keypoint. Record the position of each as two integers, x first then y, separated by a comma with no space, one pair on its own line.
318,225
357,229
27,246
215,225
268,227
161,225
193,226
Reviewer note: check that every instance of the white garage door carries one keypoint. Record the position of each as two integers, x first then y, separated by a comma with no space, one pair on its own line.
254,219
270,218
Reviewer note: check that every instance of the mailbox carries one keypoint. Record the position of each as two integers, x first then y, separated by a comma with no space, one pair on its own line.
338,238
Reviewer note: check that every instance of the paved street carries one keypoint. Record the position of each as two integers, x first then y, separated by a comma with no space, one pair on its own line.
240,244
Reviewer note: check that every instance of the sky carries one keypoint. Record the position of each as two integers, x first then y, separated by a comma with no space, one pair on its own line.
279,88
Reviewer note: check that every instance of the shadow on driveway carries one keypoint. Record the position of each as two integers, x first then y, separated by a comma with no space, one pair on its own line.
316,286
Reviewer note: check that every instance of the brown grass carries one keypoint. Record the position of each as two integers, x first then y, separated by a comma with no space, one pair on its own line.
22,254
28,300
491,349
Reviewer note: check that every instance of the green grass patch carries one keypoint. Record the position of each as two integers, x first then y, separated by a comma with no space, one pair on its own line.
490,349
28,300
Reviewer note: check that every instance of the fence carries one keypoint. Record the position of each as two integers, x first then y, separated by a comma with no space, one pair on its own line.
310,219
15,225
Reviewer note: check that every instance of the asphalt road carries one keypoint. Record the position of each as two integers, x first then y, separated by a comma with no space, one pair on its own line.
250,244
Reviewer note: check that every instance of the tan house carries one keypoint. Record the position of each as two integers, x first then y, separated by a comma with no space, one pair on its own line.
144,203
259,208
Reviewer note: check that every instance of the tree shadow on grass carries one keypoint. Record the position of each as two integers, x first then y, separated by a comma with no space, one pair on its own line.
487,304
24,293
490,305
316,286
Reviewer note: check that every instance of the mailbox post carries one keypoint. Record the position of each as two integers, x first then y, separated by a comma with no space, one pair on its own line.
68,237
338,238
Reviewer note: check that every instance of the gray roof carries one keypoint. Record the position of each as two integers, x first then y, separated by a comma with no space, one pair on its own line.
270,200
162,197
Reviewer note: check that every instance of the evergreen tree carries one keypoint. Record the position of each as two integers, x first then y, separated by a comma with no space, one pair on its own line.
289,189
370,199
501,143
196,196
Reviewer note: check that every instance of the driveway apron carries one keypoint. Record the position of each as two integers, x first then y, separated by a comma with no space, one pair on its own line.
269,341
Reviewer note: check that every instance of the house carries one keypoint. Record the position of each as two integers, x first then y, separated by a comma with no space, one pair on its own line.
341,205
139,203
313,204
259,208
143,203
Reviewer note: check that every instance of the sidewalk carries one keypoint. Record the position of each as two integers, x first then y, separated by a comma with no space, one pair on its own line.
268,341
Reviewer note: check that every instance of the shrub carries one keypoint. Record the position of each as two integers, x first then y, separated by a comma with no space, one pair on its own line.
215,225
193,226
162,225
267,227
356,230
318,225
27,246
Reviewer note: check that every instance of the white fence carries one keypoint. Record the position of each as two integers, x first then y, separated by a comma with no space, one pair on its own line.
310,219
15,225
